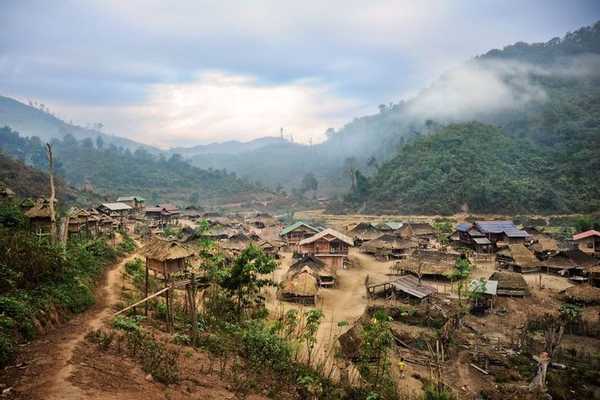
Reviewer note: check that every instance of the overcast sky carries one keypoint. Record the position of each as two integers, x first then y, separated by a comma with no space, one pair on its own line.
185,72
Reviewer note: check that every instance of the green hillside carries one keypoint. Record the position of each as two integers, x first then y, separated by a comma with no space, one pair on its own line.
477,165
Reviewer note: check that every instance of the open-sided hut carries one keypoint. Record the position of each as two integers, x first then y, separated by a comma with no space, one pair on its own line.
300,288
510,284
363,232
389,246
325,275
405,287
166,257
430,264
518,258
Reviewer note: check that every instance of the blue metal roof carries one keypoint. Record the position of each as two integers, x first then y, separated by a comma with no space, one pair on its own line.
464,227
506,227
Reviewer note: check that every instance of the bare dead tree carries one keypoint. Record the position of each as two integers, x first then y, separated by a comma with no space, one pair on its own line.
52,192
555,328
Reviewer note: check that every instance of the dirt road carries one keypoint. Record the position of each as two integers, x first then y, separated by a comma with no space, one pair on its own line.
49,360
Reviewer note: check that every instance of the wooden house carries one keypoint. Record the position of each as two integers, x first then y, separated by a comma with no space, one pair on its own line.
135,202
572,262
489,291
117,211
326,276
518,258
78,222
270,247
162,215
510,284
329,245
588,242
363,232
296,232
389,246
422,230
239,242
486,236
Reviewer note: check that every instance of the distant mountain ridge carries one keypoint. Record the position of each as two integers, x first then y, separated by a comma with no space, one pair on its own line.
228,147
32,121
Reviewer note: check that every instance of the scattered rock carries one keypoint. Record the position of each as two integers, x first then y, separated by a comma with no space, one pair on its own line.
6,392
149,378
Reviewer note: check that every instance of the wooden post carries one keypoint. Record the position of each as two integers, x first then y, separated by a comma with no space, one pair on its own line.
146,288
193,308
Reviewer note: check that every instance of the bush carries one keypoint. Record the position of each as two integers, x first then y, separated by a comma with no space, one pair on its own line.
127,245
263,348
7,350
134,266
126,324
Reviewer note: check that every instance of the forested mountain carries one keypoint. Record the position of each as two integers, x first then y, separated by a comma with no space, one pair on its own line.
118,171
543,157
229,147
37,120
478,166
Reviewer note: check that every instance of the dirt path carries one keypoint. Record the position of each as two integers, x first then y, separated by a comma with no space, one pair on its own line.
48,360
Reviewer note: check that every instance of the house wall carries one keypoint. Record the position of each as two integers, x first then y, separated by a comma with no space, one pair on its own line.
589,244
298,234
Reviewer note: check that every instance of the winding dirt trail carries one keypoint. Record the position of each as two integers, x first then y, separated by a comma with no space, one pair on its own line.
49,360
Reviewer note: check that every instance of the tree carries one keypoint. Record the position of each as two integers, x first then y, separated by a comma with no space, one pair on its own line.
245,277
309,182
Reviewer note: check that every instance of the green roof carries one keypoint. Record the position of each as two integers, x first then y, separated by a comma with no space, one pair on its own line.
296,225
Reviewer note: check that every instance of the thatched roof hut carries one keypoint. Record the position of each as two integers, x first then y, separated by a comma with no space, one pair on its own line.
325,275
166,256
364,231
430,263
389,245
519,258
583,294
510,284
301,288
239,242
422,229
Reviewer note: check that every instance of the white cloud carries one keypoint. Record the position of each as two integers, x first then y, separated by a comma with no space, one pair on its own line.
217,106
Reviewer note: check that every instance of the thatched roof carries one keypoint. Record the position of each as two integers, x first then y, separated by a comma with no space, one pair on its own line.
510,283
41,209
520,255
586,294
365,231
166,250
544,243
422,229
389,242
318,267
431,262
329,235
303,284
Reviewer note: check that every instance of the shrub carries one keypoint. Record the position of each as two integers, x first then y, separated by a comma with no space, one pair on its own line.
7,350
101,338
134,266
126,324
263,348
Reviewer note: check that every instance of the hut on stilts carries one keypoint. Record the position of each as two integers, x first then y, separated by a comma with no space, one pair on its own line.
165,258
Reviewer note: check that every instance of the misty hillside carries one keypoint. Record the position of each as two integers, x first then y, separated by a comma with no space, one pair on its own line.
229,147
38,121
114,171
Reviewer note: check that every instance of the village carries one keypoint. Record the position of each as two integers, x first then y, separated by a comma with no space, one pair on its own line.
462,297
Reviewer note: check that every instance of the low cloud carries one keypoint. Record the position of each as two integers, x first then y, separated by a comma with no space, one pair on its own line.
217,106
489,86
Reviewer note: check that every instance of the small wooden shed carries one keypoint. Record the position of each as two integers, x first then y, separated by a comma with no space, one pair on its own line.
166,257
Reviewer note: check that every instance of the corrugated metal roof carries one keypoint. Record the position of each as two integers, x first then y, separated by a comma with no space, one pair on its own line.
491,287
116,206
340,236
480,240
464,227
586,234
506,227
296,225
409,284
